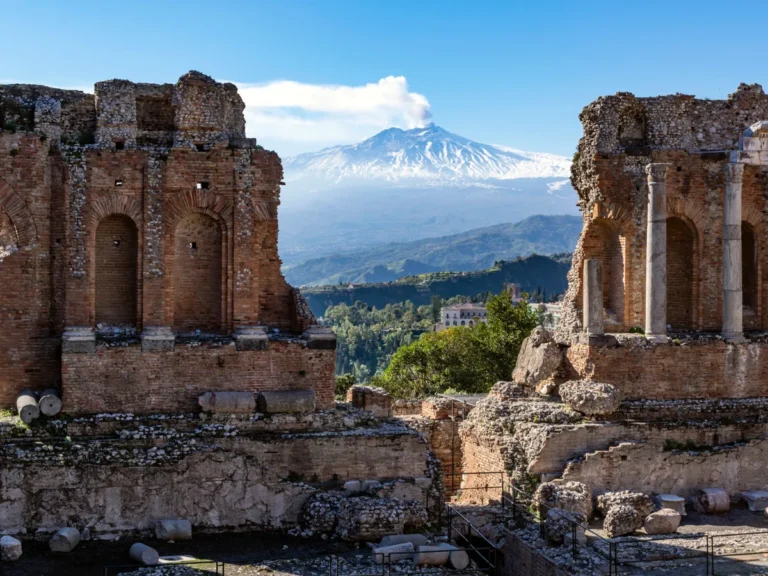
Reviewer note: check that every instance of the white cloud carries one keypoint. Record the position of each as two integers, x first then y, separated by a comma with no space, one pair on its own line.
307,116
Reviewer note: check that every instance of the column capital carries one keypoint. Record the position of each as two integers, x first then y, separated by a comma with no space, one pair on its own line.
734,172
657,171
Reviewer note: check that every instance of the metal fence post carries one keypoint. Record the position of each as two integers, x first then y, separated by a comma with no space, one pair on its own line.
573,540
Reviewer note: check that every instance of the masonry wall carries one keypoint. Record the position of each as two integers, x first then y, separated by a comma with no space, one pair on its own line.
125,379
247,483
622,134
708,369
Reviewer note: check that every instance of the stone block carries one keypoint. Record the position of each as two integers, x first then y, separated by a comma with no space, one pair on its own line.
636,500
49,403
559,525
621,520
228,402
175,530
143,554
711,501
757,500
371,398
671,501
27,407
78,340
590,398
393,553
571,496
320,338
432,556
664,521
10,549
251,338
157,339
539,360
284,401
414,539
353,486
65,540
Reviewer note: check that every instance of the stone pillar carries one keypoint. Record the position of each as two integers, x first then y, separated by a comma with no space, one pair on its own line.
656,253
593,297
732,289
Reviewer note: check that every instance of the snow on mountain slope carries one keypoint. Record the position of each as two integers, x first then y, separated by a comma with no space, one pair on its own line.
429,156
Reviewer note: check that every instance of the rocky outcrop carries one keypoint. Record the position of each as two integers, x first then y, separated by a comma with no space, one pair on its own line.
539,361
590,398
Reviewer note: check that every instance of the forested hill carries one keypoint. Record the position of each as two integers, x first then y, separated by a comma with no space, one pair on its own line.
543,273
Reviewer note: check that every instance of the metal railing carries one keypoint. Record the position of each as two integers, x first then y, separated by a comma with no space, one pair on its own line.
712,555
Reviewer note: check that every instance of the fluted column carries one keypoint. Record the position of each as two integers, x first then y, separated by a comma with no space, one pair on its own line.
732,287
656,252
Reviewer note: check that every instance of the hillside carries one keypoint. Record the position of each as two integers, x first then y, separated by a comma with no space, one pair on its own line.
531,273
472,250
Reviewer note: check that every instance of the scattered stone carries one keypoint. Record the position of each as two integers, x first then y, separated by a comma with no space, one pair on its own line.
393,553
637,500
26,405
664,521
10,549
414,539
711,501
590,398
558,525
539,361
143,554
757,500
65,540
571,496
621,520
173,530
671,501
352,486
50,403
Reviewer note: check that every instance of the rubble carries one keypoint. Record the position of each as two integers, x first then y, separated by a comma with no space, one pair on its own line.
591,398
622,519
539,361
559,525
636,500
571,496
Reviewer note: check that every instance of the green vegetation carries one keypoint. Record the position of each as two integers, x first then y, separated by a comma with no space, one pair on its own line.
367,337
472,250
545,274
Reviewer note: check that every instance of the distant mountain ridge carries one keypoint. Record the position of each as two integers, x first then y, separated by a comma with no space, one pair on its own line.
531,273
403,185
472,250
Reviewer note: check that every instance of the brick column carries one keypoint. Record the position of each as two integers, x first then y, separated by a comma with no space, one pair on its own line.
732,287
656,253
156,335
593,297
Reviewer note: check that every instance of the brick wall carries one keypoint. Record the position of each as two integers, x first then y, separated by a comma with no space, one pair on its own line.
123,379
709,369
66,206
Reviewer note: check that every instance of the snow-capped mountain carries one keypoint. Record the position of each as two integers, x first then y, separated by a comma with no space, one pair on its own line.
403,185
430,156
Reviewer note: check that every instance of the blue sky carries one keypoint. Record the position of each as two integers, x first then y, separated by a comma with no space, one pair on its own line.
512,73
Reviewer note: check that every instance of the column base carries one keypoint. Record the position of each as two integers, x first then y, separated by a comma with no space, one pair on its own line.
251,338
78,340
319,338
657,338
157,339
597,339
734,337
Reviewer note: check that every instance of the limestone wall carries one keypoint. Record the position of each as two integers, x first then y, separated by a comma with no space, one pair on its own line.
650,468
212,476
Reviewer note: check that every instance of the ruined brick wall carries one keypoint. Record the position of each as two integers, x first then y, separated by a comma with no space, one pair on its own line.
706,369
79,172
622,134
124,379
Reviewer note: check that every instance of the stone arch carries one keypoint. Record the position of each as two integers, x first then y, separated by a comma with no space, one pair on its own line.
116,257
114,204
219,209
15,210
605,240
682,271
198,274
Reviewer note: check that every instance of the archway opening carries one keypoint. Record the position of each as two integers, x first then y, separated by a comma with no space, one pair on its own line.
117,248
197,274
680,274
605,241
749,265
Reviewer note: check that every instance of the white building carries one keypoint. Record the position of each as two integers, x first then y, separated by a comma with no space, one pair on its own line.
466,314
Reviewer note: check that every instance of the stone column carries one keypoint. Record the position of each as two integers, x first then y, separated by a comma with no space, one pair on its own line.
656,253
732,289
593,297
